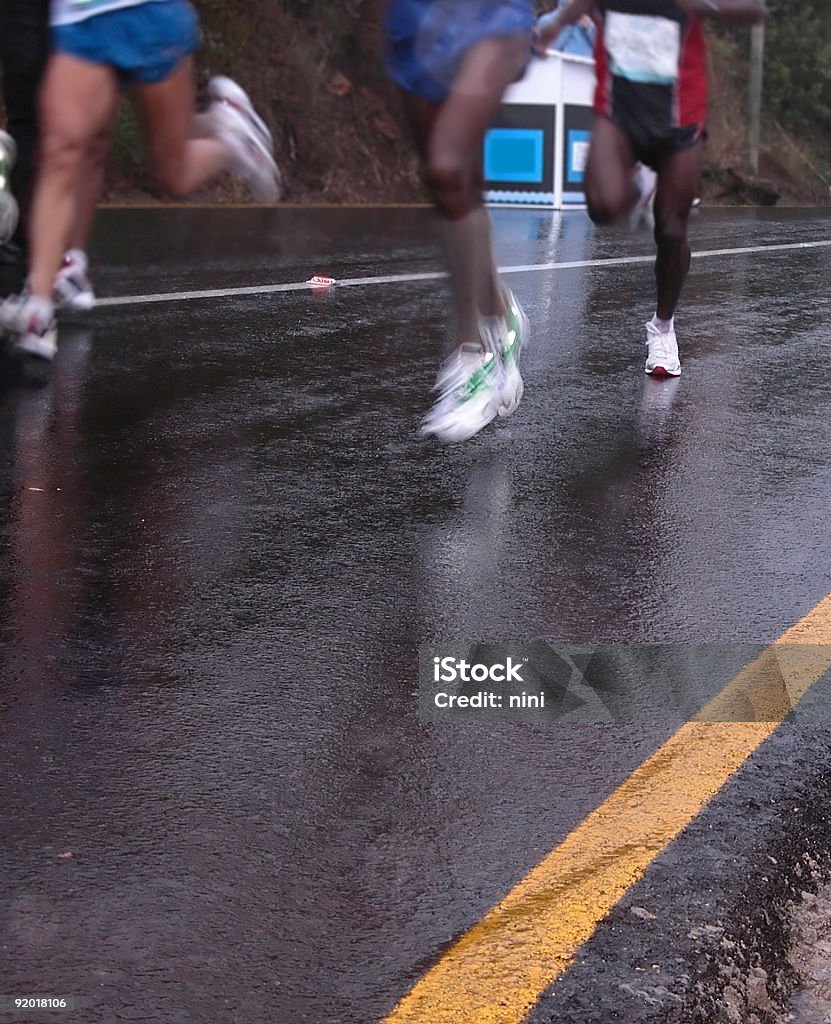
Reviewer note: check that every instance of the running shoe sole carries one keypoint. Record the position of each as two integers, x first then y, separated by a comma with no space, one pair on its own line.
80,300
254,144
255,163
37,346
459,432
225,90
468,407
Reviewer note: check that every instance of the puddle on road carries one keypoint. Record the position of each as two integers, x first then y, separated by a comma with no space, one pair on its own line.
811,957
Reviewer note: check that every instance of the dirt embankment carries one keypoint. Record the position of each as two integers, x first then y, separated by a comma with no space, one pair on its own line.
315,71
789,165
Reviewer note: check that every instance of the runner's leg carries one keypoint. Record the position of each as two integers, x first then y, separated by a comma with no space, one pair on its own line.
77,103
73,288
182,163
678,179
449,137
91,184
610,191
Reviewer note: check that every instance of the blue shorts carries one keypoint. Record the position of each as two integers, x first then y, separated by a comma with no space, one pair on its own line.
144,44
429,38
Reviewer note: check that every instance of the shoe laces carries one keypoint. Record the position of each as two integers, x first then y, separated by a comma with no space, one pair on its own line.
660,343
463,370
494,334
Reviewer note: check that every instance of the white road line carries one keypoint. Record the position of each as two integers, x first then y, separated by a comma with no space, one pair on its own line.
357,282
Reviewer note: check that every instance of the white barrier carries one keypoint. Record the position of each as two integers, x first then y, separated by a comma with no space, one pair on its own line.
536,147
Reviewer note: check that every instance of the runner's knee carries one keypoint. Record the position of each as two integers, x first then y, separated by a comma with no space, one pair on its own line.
606,204
670,230
451,185
62,150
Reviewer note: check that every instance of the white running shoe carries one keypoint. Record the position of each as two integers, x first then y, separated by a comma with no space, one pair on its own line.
31,322
235,120
469,394
9,211
516,337
9,148
662,358
73,289
645,181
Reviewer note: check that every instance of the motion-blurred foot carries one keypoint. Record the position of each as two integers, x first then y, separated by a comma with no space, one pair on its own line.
73,289
30,320
236,121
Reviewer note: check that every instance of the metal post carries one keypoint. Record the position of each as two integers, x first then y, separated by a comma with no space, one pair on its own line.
757,63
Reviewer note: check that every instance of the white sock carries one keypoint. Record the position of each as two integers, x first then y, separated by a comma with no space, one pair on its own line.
664,326
646,180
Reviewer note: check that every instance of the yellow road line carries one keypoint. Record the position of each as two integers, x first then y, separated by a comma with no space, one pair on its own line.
498,970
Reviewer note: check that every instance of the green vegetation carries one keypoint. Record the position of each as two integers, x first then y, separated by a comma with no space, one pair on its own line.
798,64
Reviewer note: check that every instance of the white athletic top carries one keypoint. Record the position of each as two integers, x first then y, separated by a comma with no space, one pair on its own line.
68,12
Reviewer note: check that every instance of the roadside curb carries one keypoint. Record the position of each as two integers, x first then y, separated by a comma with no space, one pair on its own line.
703,937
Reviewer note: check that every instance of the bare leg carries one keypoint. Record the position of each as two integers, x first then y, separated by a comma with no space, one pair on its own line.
77,103
460,234
182,163
678,180
91,185
609,189
449,138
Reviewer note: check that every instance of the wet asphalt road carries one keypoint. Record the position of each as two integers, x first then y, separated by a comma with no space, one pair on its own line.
223,542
